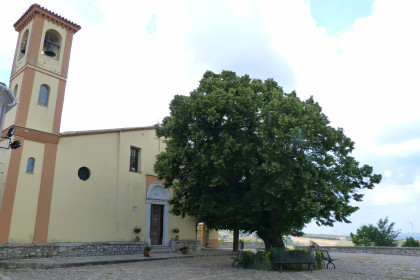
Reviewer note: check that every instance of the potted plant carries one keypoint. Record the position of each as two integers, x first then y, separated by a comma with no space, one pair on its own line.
176,231
147,251
137,230
184,250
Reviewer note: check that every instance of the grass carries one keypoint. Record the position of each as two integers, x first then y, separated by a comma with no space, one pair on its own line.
320,237
345,243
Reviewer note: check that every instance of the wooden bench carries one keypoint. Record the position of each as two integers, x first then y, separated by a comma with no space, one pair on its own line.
294,257
326,258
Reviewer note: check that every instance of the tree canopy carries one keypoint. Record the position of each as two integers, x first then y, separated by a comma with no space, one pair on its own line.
380,235
410,242
243,154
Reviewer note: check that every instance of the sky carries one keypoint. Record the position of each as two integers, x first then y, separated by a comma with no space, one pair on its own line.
359,59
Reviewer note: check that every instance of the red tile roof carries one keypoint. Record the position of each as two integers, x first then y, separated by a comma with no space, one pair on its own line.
104,131
35,8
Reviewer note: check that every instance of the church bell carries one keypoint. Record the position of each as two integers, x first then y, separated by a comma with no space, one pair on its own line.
50,50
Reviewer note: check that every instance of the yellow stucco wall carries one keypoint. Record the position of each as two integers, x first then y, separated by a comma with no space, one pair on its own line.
214,234
112,201
186,226
84,210
4,166
26,198
42,117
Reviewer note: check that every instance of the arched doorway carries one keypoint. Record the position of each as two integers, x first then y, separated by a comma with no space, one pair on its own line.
157,215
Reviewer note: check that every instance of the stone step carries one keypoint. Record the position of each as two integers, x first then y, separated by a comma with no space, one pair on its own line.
160,249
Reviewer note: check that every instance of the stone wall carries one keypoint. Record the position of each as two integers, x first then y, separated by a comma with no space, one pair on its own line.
404,251
247,245
24,251
193,245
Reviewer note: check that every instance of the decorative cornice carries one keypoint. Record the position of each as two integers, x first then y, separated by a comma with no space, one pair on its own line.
36,10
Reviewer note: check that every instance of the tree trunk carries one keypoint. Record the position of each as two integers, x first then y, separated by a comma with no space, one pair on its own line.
235,240
274,240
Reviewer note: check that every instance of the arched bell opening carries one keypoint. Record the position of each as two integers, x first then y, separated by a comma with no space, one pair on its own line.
23,44
52,44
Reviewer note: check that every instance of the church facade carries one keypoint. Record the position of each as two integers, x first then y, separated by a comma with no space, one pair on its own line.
83,186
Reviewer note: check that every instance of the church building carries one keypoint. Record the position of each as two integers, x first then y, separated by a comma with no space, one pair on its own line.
80,186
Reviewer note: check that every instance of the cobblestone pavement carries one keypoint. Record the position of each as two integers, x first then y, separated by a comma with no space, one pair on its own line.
349,266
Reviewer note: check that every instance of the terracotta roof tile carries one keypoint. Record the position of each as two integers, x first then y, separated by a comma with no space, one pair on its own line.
104,131
20,23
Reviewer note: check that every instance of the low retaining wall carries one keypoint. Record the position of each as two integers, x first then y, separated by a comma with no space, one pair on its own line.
247,245
24,251
403,251
193,245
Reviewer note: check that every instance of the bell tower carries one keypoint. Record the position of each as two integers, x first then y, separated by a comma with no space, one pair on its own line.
40,68
38,78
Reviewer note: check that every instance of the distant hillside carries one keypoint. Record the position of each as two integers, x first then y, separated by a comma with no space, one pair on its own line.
405,235
321,239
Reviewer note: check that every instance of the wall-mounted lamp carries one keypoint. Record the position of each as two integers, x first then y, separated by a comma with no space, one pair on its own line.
12,145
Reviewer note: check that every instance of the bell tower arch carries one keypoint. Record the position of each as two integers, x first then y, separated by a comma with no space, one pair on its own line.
39,73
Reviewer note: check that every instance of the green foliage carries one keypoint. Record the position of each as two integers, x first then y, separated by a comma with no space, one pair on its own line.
410,242
318,260
137,230
380,235
264,260
243,154
221,240
248,259
184,248
147,248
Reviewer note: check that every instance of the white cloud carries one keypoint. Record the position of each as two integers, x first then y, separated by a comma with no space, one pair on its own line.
390,193
402,149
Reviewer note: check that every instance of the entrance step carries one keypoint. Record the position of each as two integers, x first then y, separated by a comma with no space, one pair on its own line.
160,249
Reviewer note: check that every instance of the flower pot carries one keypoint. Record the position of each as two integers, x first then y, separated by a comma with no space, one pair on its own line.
176,237
137,238
146,253
184,252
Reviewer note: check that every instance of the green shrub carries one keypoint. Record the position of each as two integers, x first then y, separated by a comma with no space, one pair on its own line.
248,259
410,242
264,260
222,240
318,260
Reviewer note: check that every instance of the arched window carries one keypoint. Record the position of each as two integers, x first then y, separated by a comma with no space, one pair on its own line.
15,91
44,93
30,165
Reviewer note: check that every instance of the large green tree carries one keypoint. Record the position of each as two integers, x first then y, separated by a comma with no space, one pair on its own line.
381,235
242,154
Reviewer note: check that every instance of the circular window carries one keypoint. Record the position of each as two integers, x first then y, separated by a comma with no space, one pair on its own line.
84,173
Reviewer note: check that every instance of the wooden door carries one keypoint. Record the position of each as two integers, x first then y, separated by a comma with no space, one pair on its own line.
156,224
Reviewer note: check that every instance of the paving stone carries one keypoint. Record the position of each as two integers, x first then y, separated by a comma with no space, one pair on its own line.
349,266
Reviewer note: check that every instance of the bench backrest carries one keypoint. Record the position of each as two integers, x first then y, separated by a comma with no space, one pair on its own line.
325,255
293,257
